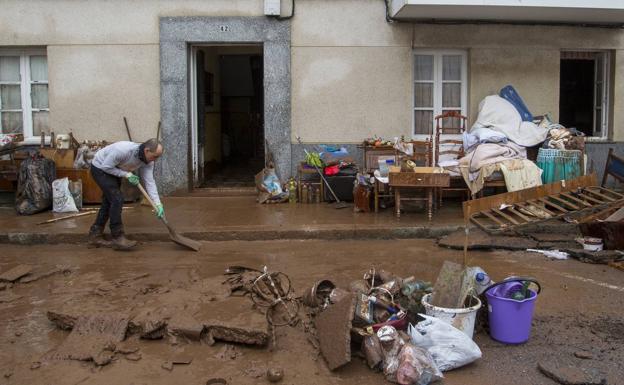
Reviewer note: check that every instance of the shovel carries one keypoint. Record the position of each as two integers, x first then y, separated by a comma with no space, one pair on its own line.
339,203
175,237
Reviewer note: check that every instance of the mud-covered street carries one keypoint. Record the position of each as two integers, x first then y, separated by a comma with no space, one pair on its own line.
578,319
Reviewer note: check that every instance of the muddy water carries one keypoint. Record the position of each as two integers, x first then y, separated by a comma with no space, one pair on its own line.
579,309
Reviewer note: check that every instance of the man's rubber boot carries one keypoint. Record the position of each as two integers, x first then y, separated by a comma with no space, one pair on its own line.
122,243
96,238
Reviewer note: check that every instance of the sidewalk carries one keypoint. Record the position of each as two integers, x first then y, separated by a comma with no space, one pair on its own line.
238,218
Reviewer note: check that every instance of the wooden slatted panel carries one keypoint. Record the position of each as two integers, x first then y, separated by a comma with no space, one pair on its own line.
492,217
509,218
572,197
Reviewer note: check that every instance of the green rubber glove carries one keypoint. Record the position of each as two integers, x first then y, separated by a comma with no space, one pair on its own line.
160,211
133,179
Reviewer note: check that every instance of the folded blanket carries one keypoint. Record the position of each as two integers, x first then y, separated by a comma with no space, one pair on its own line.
488,153
499,115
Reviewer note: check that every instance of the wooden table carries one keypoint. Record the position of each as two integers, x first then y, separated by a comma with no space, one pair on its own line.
429,181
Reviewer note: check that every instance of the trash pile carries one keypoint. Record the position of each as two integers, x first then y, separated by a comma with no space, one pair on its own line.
398,324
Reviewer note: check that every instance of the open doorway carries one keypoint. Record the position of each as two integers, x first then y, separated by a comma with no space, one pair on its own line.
583,100
228,118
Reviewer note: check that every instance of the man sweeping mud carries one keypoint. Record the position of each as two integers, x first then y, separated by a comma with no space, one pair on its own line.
111,164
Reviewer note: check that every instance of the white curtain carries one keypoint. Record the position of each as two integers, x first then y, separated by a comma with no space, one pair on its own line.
9,68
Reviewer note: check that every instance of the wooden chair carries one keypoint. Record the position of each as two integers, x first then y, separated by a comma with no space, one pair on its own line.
422,156
613,167
457,126
371,157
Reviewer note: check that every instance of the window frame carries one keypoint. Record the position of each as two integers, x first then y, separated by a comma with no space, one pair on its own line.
26,84
438,83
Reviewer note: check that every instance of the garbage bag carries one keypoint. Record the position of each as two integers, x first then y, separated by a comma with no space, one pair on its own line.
449,347
391,344
34,185
416,366
63,202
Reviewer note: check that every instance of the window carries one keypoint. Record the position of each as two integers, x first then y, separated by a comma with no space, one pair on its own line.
24,93
439,86
584,91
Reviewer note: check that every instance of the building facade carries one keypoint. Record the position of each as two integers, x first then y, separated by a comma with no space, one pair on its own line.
337,72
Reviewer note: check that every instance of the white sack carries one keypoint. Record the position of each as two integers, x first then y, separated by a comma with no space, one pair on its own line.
449,347
63,202
499,115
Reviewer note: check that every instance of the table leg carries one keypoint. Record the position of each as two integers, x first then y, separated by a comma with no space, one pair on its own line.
397,201
376,188
430,201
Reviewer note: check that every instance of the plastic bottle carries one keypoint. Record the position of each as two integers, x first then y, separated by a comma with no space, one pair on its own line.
482,281
292,190
304,193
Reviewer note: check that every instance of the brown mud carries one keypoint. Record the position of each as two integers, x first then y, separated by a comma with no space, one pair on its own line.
579,313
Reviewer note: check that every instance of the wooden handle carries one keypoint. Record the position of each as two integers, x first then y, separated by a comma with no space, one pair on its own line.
146,196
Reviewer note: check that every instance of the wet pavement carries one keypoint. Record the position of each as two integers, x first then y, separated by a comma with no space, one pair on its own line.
579,310
238,218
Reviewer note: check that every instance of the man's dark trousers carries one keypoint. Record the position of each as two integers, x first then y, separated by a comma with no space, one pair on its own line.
112,202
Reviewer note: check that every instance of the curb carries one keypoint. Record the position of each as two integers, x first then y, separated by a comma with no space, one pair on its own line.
246,235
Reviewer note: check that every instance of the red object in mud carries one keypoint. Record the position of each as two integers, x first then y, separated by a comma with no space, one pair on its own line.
398,324
332,170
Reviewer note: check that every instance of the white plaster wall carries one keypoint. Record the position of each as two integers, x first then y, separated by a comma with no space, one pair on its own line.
103,57
344,94
93,86
50,22
351,70
534,72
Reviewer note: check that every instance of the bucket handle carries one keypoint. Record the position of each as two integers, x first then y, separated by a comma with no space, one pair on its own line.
516,279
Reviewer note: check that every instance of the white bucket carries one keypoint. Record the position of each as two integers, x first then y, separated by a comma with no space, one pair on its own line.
462,319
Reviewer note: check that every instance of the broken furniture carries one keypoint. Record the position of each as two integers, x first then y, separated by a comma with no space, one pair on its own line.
563,198
613,167
421,178
450,123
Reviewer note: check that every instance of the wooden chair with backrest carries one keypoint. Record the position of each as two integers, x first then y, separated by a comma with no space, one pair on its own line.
422,155
450,123
613,167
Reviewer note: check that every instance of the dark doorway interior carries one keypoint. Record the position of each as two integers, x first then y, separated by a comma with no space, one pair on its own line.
233,123
576,103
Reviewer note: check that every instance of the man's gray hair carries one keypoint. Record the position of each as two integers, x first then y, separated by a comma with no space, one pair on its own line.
151,144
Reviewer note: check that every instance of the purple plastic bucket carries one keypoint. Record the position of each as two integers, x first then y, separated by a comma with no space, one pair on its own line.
510,320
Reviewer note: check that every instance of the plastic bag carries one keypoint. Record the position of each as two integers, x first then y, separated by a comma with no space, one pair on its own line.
63,200
449,347
34,185
391,345
416,366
